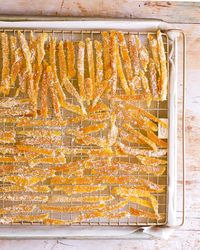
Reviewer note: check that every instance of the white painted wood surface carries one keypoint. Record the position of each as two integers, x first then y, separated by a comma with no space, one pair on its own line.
187,17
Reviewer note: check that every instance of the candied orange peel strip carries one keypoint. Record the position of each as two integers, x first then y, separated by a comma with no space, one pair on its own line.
106,55
153,79
134,54
71,59
70,190
118,215
41,123
35,149
144,214
143,54
146,160
29,218
125,57
101,89
153,137
163,67
22,180
89,89
113,60
42,38
72,209
24,197
153,44
145,84
47,160
44,90
86,199
99,62
5,81
121,74
40,133
62,61
99,107
135,151
129,192
90,140
80,68
41,141
90,61
140,136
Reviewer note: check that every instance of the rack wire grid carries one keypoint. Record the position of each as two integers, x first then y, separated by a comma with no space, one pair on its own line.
157,108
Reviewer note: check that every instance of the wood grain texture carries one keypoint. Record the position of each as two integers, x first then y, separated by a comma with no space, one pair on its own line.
165,10
184,14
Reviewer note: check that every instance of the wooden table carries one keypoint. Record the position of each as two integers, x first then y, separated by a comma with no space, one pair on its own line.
185,16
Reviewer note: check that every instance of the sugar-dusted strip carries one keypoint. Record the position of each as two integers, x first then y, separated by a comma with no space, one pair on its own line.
5,78
89,90
146,160
134,54
98,62
71,59
163,67
62,61
113,59
70,190
153,44
80,68
90,61
86,199
106,55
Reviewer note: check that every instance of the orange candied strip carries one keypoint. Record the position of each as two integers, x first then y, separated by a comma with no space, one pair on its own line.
129,98
93,128
16,111
24,197
16,66
131,192
40,123
113,133
86,199
5,78
32,46
10,159
106,55
14,188
129,138
121,74
153,44
71,59
70,166
155,139
21,208
163,67
118,215
140,136
87,180
143,54
101,89
72,209
22,180
13,48
125,57
127,168
80,68
51,221
87,216
140,201
98,117
89,90
44,89
145,160
147,114
99,62
90,60
41,141
37,69
145,214
135,151
42,38
90,140
113,59
40,133
11,102
34,149
134,54
29,218
153,79
6,149
62,61
69,87
145,84
69,190
99,107
56,104
48,160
